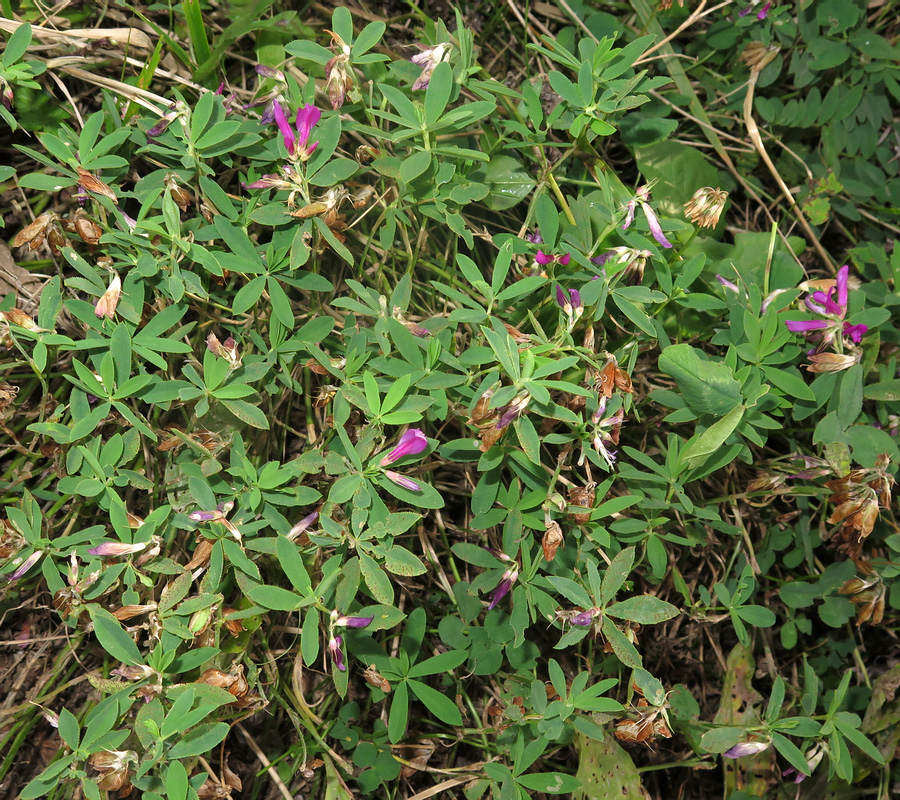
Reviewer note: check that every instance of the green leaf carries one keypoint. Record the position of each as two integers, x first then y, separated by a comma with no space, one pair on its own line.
437,95
549,782
616,574
399,713
444,662
275,597
292,563
200,740
16,45
438,704
112,636
709,442
790,752
379,584
401,561
508,181
247,413
759,616
709,387
644,609
625,651
69,730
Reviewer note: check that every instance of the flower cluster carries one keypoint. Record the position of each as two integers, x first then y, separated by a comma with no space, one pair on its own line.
570,303
297,146
831,328
706,206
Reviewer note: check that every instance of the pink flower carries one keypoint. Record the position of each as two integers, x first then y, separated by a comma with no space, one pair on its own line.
336,652
298,146
353,622
746,749
412,442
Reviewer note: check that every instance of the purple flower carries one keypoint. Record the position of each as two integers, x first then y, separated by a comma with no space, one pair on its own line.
412,442
804,325
353,622
732,287
534,238
543,259
562,300
513,410
402,480
642,197
564,260
746,749
428,60
298,146
506,582
337,654
163,123
765,10
855,332
584,619
269,72
26,565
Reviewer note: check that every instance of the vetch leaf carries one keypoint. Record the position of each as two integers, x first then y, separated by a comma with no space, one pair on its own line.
438,704
644,609
708,386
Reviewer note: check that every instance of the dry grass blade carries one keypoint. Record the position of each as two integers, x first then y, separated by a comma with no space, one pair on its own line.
131,37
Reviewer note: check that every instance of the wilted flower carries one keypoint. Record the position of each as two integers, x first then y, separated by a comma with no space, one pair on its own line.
428,59
269,72
227,349
756,55
338,80
514,410
706,206
606,431
302,526
26,565
106,305
412,442
502,589
112,765
164,121
642,198
91,183
402,480
6,94
746,749
115,549
297,146
552,539
634,260
18,317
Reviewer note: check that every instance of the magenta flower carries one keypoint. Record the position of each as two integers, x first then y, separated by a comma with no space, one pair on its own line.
506,582
761,14
402,480
641,198
298,146
514,410
336,652
411,443
543,259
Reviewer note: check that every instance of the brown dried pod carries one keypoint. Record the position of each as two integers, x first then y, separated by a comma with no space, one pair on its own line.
374,678
612,377
582,496
516,335
88,230
553,538
34,234
90,183
201,555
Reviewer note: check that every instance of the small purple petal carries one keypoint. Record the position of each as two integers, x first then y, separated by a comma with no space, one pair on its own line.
765,10
745,749
534,238
629,216
564,259
583,619
506,582
354,622
284,126
204,516
543,259
577,305
841,279
603,258
336,653
307,117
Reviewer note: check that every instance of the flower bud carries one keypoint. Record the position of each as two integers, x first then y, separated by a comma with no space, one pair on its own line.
106,305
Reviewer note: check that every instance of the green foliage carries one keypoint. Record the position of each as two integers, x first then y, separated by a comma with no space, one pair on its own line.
306,416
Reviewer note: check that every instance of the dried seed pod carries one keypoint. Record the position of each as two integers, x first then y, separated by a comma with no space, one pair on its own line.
88,230
612,377
374,678
583,496
34,234
90,183
553,538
